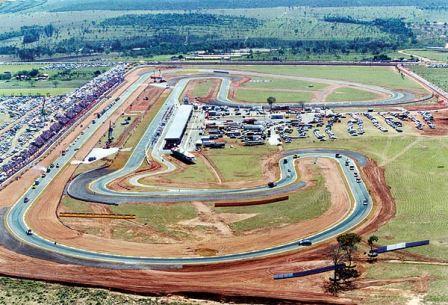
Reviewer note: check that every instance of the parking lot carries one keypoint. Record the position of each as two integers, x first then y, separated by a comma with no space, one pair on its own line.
260,126
37,122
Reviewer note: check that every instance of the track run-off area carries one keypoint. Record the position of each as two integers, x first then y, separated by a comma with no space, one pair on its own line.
92,186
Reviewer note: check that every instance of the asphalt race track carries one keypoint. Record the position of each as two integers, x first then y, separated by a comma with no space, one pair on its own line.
92,186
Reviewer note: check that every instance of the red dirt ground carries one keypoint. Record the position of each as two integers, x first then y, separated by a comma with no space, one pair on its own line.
441,121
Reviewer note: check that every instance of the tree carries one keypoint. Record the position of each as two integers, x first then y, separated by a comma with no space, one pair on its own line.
271,100
55,83
343,252
33,73
372,239
372,255
348,243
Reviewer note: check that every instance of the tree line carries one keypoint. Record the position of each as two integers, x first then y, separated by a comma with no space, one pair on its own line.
176,20
393,26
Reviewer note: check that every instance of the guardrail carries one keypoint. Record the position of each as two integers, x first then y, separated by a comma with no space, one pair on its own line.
95,215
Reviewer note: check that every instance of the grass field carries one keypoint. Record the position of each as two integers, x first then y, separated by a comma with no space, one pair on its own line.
26,292
351,94
198,172
240,162
258,96
275,83
438,76
73,205
118,128
202,88
14,68
301,205
430,54
57,84
160,217
403,292
380,76
415,169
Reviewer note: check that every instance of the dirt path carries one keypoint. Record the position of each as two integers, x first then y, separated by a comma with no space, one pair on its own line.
322,95
402,152
105,224
207,217
212,168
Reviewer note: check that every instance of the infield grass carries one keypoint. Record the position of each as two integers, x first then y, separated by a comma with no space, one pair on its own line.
202,87
301,205
386,77
351,94
240,163
258,96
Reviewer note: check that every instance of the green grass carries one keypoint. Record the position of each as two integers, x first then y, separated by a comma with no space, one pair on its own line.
381,76
26,292
34,91
275,83
73,205
437,292
158,216
351,94
14,68
202,88
257,96
301,205
118,128
64,83
438,76
198,172
240,162
430,54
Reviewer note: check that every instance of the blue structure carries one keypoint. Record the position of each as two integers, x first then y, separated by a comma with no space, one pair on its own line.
283,276
401,246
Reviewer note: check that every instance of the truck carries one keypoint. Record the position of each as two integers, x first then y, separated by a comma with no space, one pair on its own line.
183,156
272,184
